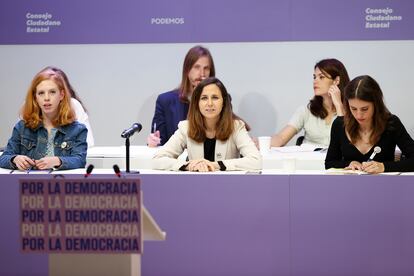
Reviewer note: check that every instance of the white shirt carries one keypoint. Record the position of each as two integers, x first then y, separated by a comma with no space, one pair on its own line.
82,117
317,131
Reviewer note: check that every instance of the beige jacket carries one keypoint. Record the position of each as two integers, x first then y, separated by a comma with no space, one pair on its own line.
228,151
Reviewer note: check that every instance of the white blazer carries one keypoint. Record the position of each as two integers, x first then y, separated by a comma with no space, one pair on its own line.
229,151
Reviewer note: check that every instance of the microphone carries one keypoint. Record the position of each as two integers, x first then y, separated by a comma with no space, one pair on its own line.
89,170
376,150
117,170
130,131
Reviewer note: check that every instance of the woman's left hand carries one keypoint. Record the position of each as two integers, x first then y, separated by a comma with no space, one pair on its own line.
373,167
256,142
48,163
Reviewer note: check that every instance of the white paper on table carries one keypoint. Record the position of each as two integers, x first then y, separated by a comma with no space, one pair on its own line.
301,148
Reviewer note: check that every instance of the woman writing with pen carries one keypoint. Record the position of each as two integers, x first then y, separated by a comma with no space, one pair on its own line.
48,136
366,137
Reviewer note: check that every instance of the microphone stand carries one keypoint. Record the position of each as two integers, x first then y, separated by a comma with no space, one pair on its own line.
127,157
127,154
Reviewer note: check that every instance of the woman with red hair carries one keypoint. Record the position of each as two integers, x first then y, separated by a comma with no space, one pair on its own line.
48,136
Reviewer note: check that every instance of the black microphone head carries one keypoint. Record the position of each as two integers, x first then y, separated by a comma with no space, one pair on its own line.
137,127
116,169
89,169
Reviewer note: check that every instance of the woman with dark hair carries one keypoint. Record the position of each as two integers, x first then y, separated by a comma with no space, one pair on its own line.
48,136
368,126
77,105
214,137
329,80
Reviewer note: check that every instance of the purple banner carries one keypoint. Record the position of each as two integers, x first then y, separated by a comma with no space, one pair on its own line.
165,21
80,216
352,20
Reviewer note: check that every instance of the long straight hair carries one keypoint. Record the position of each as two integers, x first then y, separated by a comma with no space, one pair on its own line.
225,124
194,54
31,111
365,88
331,68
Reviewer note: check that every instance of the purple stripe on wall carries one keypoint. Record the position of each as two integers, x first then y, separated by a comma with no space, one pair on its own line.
165,21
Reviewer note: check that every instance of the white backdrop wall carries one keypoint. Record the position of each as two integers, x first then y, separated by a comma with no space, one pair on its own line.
268,81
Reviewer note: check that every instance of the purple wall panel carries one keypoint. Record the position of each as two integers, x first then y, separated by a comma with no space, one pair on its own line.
258,225
215,224
152,21
346,20
13,262
218,225
361,227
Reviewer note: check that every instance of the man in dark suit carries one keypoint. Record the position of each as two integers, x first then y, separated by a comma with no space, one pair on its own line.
172,107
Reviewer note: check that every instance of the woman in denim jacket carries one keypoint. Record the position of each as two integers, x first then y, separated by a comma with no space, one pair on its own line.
48,136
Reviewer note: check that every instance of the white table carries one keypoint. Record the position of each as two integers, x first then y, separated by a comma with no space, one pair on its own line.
106,157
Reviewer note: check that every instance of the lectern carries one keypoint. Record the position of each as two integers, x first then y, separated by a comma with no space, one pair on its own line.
88,226
105,264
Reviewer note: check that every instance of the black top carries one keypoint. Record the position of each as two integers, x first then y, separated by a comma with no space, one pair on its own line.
209,149
341,152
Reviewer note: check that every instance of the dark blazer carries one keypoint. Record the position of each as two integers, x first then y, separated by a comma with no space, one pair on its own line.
169,111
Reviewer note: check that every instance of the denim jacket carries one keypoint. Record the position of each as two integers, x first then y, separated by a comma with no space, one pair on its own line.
70,145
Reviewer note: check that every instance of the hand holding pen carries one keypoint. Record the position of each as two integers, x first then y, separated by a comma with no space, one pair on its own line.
372,166
153,140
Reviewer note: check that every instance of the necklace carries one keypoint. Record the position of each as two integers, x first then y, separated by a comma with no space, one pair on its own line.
365,136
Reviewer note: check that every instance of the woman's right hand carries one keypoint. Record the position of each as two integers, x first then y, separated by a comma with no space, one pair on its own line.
335,94
153,140
23,162
354,165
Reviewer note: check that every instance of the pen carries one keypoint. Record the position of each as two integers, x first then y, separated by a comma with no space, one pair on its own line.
154,129
376,150
29,169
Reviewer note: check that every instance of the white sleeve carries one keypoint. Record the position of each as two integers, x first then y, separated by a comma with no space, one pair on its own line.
167,157
251,158
298,119
83,118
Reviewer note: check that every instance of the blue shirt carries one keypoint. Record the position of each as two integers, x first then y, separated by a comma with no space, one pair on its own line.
69,145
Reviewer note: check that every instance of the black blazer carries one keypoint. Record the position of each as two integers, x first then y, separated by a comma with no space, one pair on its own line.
169,111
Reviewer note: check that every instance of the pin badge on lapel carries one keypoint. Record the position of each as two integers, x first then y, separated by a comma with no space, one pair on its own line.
63,145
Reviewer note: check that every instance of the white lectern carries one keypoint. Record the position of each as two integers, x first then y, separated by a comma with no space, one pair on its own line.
106,264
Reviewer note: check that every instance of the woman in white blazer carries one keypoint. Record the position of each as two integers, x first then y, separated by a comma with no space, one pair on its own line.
214,137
